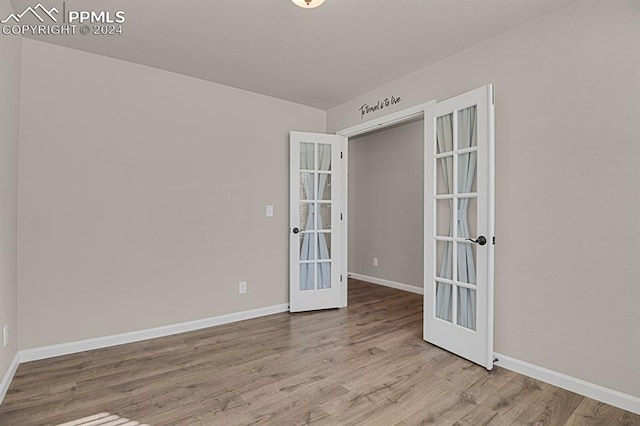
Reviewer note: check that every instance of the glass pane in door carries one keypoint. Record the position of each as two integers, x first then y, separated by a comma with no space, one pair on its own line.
443,301
307,156
324,156
306,276
444,218
467,172
444,175
324,186
466,264
307,186
307,216
324,245
444,259
467,128
324,275
444,134
307,249
467,217
324,218
466,308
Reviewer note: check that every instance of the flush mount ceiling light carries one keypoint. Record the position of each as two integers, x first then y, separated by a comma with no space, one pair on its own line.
308,4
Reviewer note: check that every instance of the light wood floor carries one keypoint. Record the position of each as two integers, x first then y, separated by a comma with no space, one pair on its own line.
364,365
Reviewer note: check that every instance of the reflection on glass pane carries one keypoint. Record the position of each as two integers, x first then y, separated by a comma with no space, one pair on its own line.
444,133
467,133
324,275
307,213
324,186
467,217
443,301
306,276
443,218
444,175
324,218
467,172
307,186
467,308
444,259
307,156
324,156
466,262
324,245
307,246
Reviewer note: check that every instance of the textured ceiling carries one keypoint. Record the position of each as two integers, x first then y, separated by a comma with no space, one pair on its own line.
319,57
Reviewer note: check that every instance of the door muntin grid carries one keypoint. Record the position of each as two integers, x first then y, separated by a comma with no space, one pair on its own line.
316,208
455,210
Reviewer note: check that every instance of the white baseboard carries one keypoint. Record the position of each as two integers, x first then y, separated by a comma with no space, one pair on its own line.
6,380
591,390
152,333
387,283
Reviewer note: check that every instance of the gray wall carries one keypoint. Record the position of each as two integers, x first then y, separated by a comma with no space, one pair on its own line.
385,204
142,196
568,183
10,48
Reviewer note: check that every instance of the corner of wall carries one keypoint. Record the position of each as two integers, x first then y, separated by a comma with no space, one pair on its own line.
10,92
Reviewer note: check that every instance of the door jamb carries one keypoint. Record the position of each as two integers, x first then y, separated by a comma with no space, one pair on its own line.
399,117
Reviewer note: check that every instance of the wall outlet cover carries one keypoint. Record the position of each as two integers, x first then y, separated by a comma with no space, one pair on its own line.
242,287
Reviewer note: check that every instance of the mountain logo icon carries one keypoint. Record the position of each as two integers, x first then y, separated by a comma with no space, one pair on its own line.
33,11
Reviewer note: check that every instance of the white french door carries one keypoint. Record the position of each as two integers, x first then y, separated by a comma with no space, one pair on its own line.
459,228
315,221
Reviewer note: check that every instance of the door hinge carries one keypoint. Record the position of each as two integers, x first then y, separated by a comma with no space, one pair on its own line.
340,154
340,216
340,277
494,240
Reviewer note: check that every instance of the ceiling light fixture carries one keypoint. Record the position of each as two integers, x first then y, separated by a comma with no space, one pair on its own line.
308,4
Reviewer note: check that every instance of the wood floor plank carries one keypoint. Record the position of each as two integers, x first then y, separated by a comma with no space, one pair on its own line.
596,413
362,365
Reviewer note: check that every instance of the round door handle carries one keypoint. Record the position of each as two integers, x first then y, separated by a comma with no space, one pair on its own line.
296,230
481,240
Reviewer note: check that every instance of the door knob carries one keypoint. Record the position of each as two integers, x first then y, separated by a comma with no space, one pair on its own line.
296,230
481,240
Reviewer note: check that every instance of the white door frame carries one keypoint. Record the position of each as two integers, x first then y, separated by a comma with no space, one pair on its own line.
403,116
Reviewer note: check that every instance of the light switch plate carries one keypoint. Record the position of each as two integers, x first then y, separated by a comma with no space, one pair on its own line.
269,211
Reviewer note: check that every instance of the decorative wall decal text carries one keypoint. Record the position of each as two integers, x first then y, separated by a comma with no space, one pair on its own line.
381,104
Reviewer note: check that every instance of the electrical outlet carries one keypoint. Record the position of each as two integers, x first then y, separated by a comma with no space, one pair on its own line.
375,261
5,335
242,287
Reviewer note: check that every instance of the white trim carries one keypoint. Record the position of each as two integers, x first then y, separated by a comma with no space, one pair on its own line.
344,259
582,387
151,333
387,283
6,380
491,235
379,123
